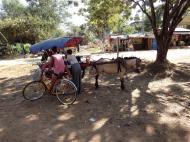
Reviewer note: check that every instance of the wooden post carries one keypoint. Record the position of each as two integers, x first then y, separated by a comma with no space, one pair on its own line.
117,47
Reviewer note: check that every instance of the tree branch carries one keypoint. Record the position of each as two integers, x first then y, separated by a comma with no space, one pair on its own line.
176,8
165,22
154,25
152,17
142,9
177,18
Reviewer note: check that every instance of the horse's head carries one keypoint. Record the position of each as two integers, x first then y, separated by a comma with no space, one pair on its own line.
133,64
88,59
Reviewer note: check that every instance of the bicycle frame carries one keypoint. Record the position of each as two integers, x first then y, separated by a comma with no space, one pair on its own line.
60,87
48,82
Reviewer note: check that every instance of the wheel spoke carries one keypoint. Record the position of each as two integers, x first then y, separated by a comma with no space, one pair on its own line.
66,92
34,90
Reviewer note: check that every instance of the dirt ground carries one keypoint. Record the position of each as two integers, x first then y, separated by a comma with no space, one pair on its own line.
150,109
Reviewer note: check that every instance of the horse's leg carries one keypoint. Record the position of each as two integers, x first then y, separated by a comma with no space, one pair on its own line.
96,83
122,83
122,80
83,71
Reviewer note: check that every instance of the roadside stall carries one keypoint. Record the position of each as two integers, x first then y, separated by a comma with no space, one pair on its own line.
117,42
142,41
181,37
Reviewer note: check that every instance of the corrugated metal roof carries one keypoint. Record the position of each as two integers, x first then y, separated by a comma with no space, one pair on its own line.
141,35
119,36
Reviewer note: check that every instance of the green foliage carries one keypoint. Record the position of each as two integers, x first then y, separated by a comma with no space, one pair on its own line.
26,29
128,30
12,9
107,15
75,31
118,25
88,36
27,47
137,18
159,15
29,24
16,48
82,31
20,48
51,10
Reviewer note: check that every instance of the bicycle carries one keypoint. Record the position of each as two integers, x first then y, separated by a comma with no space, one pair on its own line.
65,90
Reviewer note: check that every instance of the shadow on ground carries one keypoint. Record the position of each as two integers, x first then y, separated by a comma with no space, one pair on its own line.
104,115
182,72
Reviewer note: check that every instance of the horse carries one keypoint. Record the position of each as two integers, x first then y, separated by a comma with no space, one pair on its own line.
118,66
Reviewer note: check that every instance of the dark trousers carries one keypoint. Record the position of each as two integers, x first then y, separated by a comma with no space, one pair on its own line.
76,76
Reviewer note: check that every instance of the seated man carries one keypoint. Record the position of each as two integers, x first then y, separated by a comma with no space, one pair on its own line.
57,65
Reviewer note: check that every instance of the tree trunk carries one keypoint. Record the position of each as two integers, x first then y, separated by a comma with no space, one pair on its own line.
162,50
161,56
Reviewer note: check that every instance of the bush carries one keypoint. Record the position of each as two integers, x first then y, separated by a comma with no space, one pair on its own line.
27,48
20,48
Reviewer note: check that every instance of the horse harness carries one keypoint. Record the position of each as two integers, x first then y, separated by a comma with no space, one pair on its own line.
94,66
120,62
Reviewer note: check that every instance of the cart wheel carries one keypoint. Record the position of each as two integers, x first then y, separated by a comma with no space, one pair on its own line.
34,90
66,91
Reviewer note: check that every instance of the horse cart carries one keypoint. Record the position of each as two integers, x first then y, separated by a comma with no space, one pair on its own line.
117,66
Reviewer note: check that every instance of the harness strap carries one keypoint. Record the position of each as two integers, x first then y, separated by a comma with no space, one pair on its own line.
94,65
120,63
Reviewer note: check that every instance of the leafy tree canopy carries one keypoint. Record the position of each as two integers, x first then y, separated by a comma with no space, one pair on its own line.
107,15
38,20
12,9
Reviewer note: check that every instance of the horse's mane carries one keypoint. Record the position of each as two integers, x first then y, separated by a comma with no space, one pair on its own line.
128,58
103,59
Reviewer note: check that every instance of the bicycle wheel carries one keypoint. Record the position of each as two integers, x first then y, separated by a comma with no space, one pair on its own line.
66,91
34,90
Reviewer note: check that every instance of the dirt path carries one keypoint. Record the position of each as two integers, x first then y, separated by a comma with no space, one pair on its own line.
150,109
174,55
